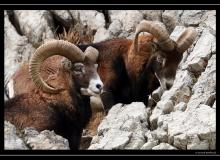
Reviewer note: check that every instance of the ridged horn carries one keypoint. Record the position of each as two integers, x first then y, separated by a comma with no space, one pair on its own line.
157,31
91,54
55,47
186,39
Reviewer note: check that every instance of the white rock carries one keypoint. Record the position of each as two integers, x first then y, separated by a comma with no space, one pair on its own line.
171,18
162,107
192,17
164,146
115,27
167,106
16,49
45,140
135,143
181,89
113,139
205,88
11,139
154,117
123,128
180,106
164,125
91,18
214,105
206,45
196,144
101,35
204,145
209,21
149,136
153,15
183,80
199,121
160,135
128,18
149,145
180,141
35,24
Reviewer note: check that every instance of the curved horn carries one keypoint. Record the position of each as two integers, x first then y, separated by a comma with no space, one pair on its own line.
55,47
158,32
186,39
91,54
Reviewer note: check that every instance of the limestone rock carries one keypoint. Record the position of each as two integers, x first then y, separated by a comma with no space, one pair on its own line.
30,139
205,46
209,21
101,35
152,15
38,27
122,128
129,19
115,27
164,146
180,106
17,49
91,18
192,17
45,140
11,139
205,88
171,18
149,145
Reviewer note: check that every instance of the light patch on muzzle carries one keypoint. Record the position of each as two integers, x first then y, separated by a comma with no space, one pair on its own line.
165,84
169,83
95,87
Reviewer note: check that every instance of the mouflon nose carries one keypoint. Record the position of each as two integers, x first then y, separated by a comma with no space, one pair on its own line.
99,86
168,86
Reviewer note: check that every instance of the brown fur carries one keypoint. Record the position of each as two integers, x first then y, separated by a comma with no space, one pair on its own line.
22,79
121,70
118,64
91,128
67,112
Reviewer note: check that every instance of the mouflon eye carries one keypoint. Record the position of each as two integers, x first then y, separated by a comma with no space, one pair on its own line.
78,67
160,59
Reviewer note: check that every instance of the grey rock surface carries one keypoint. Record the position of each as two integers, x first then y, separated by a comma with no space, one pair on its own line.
122,128
183,117
11,139
38,27
30,139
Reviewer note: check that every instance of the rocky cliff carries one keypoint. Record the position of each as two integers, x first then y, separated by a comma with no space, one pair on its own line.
182,118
